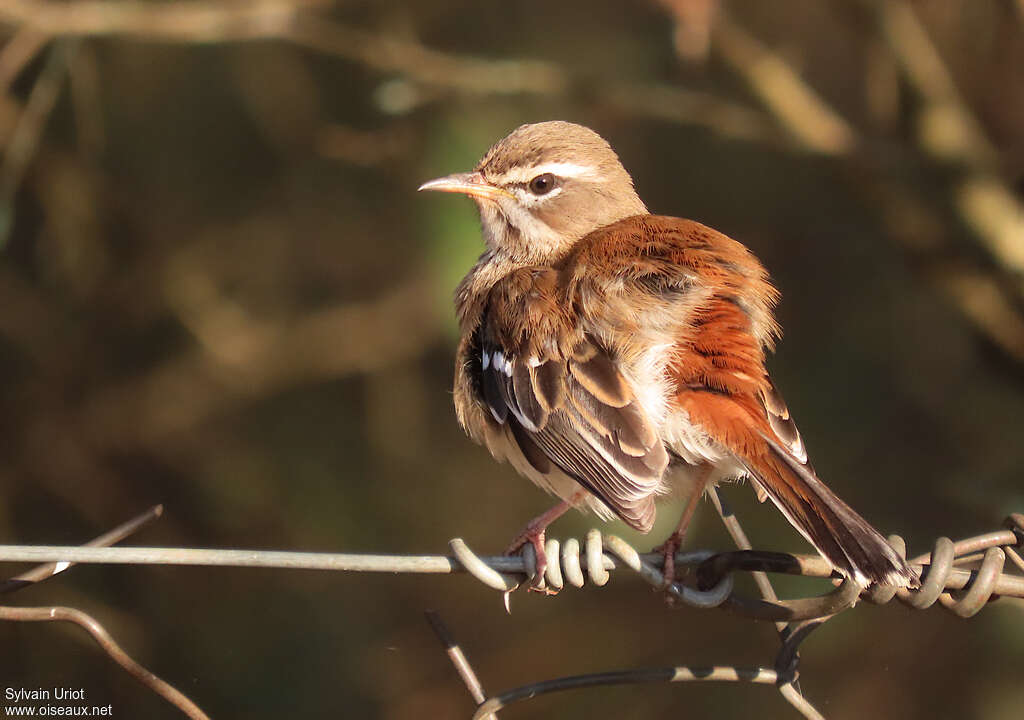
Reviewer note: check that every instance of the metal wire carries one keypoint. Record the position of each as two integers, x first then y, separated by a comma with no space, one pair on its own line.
947,577
459,661
110,647
719,673
99,634
962,591
944,579
783,676
48,570
962,577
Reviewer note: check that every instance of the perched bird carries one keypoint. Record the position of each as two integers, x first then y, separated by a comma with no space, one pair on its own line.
612,356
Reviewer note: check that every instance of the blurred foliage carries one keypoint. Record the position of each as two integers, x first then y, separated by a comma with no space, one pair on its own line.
220,291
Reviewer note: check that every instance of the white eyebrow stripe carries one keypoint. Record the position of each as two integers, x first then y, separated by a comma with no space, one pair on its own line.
559,169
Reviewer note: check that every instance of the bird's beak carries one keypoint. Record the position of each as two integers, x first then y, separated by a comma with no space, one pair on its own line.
471,183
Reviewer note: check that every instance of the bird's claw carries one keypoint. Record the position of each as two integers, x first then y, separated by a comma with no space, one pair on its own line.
668,550
534,536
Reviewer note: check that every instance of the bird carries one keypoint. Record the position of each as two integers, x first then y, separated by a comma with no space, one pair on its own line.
615,357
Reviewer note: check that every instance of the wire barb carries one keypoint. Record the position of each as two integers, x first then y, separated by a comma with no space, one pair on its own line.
961,576
945,579
570,562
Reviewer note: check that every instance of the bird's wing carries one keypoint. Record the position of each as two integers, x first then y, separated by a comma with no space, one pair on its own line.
563,402
706,299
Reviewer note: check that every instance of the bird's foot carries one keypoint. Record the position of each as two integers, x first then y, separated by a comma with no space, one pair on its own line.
668,550
533,534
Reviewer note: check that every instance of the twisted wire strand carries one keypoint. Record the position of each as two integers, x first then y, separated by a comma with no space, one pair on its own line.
683,673
947,572
947,575
962,577
945,579
783,676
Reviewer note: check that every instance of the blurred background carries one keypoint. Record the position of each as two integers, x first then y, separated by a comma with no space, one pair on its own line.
220,291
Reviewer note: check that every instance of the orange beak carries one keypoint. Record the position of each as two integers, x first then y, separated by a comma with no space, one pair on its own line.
471,183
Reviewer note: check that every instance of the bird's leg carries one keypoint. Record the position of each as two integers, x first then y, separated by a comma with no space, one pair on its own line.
670,547
533,533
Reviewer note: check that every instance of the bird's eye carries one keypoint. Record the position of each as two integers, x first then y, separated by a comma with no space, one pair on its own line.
542,184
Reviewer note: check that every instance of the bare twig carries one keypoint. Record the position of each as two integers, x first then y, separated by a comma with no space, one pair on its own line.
295,23
948,130
985,203
110,647
240,357
29,130
192,20
84,78
794,103
19,51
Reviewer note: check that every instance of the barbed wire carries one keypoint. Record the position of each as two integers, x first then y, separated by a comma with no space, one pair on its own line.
961,590
599,555
961,576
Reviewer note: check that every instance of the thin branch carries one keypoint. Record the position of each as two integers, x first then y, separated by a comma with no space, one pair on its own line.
242,357
984,202
792,101
19,51
29,129
295,23
84,78
948,130
191,21
110,647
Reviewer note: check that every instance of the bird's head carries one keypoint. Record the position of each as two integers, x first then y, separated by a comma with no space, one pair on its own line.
544,187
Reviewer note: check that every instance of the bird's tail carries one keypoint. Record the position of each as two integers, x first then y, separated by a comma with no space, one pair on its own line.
846,539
